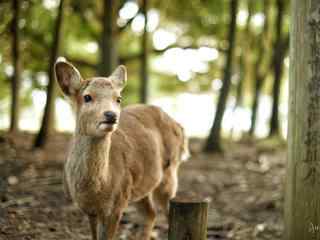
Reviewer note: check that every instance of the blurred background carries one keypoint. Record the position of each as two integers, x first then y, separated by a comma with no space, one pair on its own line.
219,67
220,63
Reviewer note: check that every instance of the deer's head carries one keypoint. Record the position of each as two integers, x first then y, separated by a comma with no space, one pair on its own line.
97,99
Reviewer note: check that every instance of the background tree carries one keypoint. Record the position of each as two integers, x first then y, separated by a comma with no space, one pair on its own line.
280,46
244,60
245,56
144,85
15,81
109,38
261,64
49,111
214,140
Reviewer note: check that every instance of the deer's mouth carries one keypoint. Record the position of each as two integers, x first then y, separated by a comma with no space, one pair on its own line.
107,125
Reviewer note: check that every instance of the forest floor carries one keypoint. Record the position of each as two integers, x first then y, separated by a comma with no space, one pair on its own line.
245,186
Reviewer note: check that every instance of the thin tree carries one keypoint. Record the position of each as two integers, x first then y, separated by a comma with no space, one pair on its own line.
144,85
278,57
48,116
302,198
108,43
15,81
261,66
244,60
214,140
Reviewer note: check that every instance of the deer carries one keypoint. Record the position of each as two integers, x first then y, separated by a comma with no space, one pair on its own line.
118,156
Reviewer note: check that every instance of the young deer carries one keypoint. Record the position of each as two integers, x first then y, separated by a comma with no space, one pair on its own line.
116,160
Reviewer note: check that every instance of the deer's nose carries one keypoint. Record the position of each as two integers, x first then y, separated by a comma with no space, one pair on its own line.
111,117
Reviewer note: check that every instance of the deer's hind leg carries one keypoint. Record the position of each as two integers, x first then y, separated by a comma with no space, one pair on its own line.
147,211
167,189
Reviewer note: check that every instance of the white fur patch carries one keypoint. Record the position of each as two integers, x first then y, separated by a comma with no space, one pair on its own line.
186,153
185,156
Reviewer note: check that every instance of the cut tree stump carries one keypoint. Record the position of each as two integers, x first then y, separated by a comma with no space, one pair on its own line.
188,219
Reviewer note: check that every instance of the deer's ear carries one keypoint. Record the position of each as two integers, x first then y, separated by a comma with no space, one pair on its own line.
119,77
68,77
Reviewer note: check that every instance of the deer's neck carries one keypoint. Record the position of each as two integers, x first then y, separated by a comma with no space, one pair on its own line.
94,154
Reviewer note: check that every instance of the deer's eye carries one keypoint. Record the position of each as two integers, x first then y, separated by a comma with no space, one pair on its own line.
87,98
119,99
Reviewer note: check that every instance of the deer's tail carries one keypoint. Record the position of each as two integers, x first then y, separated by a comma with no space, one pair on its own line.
185,155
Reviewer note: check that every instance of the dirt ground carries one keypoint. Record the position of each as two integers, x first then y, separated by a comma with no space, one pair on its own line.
245,186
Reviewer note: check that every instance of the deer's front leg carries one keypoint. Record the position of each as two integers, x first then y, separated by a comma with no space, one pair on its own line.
93,226
108,225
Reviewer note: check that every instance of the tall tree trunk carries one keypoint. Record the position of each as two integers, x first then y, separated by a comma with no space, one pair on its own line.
48,116
278,69
15,81
259,80
108,44
144,87
240,84
302,198
244,60
214,140
259,73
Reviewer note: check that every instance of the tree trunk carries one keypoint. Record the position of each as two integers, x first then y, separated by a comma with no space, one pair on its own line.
214,140
144,88
244,60
278,70
259,73
302,198
108,44
259,80
48,116
240,84
15,81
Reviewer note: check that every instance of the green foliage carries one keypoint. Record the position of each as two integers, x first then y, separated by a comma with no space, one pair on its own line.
199,22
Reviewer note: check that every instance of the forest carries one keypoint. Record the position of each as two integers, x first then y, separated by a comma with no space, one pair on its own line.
220,68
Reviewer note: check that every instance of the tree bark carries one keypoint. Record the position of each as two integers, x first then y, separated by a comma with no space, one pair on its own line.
48,116
302,199
214,140
16,77
108,44
144,87
278,69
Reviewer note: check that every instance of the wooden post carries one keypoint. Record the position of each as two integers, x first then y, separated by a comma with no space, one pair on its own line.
188,219
302,200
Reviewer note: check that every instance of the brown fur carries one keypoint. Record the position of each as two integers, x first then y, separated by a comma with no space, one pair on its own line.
137,162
